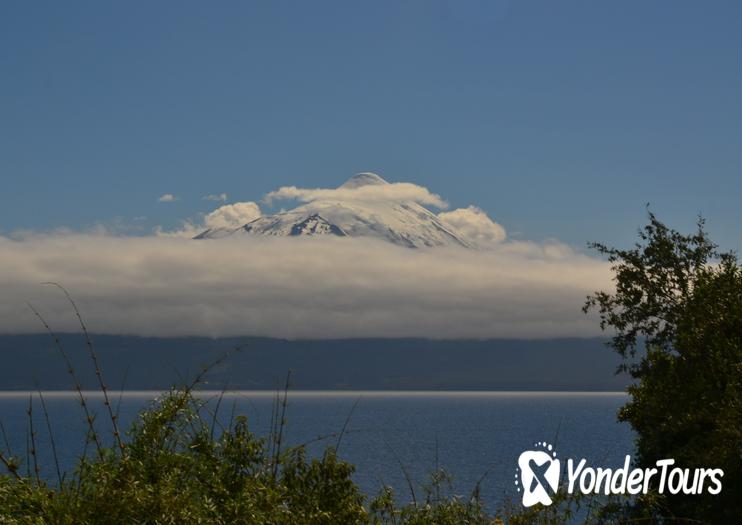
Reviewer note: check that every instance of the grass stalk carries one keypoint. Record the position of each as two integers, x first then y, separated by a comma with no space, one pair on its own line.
98,373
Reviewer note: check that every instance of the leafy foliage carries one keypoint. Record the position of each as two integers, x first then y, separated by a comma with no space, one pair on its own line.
683,299
172,470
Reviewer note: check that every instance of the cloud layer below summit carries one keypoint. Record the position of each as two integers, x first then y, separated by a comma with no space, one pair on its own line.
297,287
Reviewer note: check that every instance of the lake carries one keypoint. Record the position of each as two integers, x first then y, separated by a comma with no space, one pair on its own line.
472,434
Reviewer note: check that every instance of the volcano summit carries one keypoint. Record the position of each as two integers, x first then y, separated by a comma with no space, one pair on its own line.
364,206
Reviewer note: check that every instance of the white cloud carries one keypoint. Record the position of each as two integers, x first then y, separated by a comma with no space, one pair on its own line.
167,197
232,215
295,287
220,197
398,191
227,216
475,225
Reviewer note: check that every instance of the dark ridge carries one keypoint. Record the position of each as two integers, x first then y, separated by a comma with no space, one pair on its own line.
349,364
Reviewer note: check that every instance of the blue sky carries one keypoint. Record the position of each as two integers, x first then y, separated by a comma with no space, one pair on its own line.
560,119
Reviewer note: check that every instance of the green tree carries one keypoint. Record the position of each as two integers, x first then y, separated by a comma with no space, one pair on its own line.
676,314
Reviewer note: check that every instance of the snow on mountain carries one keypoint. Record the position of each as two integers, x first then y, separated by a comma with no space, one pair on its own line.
405,223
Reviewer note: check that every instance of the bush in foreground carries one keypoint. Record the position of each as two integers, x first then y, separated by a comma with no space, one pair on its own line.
173,469
676,315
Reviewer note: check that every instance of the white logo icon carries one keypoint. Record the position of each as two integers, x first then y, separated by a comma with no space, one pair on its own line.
539,472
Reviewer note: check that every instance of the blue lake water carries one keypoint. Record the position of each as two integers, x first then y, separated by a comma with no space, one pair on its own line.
471,433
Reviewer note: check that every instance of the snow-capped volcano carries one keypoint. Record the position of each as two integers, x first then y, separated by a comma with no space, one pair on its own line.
355,209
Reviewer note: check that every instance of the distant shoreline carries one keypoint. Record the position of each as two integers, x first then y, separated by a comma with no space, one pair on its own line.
328,393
